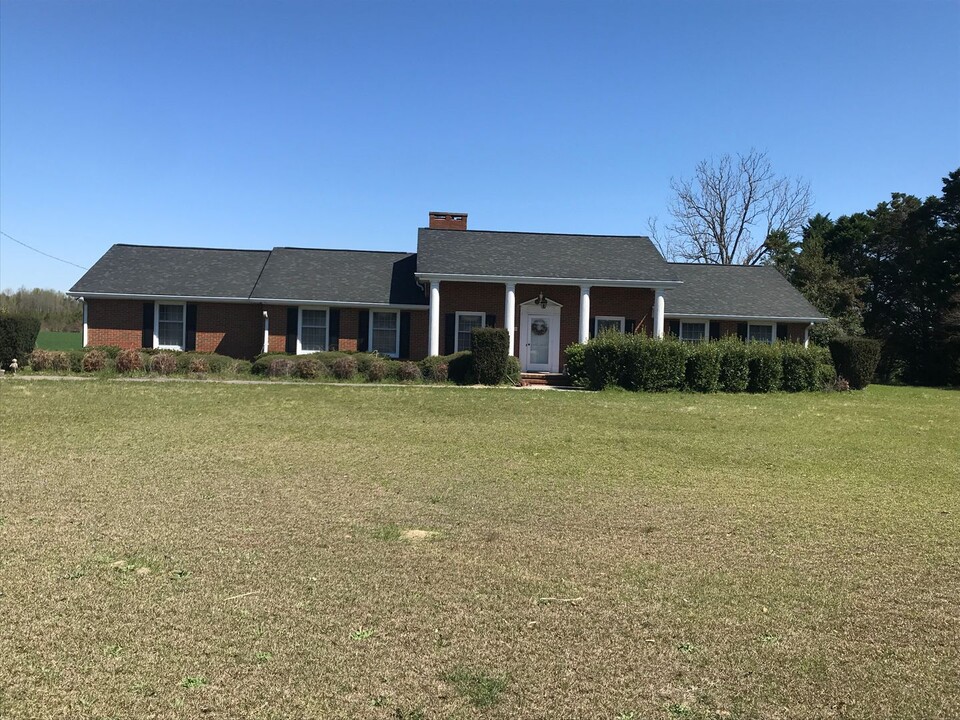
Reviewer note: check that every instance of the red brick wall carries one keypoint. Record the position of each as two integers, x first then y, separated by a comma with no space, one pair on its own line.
487,298
349,326
630,303
115,322
419,334
278,327
234,329
796,331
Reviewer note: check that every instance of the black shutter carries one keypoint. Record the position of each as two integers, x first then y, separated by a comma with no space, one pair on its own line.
449,333
146,339
630,326
190,341
333,319
593,327
491,321
742,331
783,332
293,320
363,330
674,327
405,334
714,329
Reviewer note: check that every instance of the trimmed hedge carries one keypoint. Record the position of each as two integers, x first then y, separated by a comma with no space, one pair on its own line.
18,338
490,348
637,362
855,359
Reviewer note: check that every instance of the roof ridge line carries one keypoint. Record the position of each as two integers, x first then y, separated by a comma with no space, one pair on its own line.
530,232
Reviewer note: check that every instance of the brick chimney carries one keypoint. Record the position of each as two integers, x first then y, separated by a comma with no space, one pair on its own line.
448,221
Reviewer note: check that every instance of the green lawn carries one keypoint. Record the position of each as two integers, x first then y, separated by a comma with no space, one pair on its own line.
48,340
192,549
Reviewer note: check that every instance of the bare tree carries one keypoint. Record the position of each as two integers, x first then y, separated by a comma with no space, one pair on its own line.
726,212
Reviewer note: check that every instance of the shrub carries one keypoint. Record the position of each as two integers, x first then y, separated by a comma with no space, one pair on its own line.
408,372
435,369
653,365
163,364
129,361
460,368
766,371
94,361
800,368
513,371
734,368
574,364
280,367
855,359
261,364
39,359
111,351
344,368
199,365
604,360
703,367
309,368
75,358
18,338
376,369
490,347
59,361
242,367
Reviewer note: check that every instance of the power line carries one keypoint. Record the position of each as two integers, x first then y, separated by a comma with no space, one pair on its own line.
30,247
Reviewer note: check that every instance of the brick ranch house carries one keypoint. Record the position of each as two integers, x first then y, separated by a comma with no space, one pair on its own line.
548,290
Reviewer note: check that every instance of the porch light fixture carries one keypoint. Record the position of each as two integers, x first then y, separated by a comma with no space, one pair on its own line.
542,301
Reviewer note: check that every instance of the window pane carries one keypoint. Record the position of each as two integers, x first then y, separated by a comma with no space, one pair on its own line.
465,326
313,330
606,324
693,332
170,325
384,333
314,318
761,333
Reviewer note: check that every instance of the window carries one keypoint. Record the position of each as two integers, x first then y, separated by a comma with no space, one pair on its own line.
760,333
603,324
466,322
171,326
313,330
693,331
385,333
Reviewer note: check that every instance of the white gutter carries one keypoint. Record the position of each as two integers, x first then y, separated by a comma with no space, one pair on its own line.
706,316
521,279
250,301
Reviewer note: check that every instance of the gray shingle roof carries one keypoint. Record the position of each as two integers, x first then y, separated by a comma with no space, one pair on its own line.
174,271
736,291
540,255
344,276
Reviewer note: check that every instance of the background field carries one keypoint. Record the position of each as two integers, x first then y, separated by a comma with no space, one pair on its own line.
211,550
48,340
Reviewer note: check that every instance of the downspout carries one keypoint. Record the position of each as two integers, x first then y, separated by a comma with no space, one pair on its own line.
266,331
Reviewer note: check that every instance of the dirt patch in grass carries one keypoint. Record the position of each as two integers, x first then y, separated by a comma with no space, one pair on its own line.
599,554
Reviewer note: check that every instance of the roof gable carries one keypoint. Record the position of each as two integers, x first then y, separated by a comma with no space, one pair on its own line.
481,253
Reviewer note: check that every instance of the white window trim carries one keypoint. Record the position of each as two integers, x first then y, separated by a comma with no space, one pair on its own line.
456,327
771,325
156,326
326,338
598,318
706,328
396,352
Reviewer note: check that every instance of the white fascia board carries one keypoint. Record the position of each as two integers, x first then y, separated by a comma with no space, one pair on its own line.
766,318
336,303
144,296
520,279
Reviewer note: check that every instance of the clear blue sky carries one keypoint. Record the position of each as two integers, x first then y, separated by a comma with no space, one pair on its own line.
254,124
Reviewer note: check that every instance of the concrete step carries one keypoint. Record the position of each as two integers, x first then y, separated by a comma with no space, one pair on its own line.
544,379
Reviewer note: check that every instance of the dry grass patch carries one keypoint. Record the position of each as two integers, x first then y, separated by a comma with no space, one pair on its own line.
604,555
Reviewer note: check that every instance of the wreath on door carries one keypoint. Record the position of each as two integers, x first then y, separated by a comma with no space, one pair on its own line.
539,327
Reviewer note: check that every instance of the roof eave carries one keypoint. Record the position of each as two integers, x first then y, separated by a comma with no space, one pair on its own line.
525,279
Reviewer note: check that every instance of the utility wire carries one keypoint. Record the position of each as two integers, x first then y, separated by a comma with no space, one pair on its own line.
30,247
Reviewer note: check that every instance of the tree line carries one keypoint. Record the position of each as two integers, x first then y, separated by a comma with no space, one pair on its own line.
54,310
891,272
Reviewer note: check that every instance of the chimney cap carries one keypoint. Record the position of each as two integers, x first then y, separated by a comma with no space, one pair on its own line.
441,220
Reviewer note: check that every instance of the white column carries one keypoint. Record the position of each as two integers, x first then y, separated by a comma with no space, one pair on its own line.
509,313
806,335
584,313
266,331
83,340
658,314
434,345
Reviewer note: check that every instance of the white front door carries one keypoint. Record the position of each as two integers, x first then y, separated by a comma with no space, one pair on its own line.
539,339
